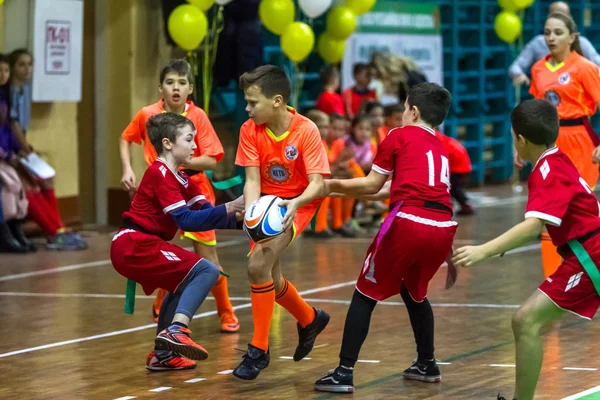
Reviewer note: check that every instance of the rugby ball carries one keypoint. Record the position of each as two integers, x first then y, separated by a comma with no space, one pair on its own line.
264,219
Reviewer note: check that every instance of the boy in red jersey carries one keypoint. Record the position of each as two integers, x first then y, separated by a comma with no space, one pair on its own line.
560,199
460,168
355,95
329,101
414,240
175,88
283,156
165,201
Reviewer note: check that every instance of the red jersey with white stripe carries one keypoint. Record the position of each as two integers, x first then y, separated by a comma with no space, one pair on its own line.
418,163
560,197
161,192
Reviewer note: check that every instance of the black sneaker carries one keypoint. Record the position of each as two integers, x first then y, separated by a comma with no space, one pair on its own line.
424,371
307,336
502,398
254,361
337,381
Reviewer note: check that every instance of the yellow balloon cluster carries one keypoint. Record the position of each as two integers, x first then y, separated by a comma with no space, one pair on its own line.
276,15
187,26
203,5
507,24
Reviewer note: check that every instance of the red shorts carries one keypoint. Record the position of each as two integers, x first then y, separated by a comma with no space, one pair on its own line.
571,288
410,254
207,238
150,261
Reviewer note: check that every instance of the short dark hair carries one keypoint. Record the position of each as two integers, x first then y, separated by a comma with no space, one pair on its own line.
360,118
328,73
16,54
369,106
4,59
392,109
432,100
337,117
360,67
270,79
179,66
537,121
166,125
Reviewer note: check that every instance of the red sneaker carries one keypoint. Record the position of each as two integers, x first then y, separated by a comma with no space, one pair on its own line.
178,339
170,362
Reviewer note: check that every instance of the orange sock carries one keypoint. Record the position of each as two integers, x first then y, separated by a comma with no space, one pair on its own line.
322,215
263,302
221,294
289,299
550,258
336,211
347,208
160,296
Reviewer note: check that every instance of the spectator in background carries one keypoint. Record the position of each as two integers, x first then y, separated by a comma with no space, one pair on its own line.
329,101
355,95
12,239
359,142
537,49
393,119
43,205
375,112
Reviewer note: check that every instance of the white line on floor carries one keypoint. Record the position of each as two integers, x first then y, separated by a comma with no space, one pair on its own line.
195,380
126,398
442,363
291,358
579,369
583,394
90,264
150,326
160,389
502,365
226,372
399,303
369,361
320,345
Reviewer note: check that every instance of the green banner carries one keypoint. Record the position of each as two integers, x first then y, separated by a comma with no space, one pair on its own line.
394,16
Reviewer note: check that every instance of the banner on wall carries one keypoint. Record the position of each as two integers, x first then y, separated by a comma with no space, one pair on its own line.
406,29
57,50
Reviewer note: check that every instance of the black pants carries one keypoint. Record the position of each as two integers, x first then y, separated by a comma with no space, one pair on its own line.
457,181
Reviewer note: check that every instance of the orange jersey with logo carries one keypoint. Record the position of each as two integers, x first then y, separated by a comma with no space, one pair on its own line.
573,86
207,141
285,161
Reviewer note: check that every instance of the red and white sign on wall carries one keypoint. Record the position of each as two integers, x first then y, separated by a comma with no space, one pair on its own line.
58,47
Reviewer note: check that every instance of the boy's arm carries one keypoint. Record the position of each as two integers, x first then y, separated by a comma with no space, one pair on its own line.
224,216
315,189
18,132
515,237
369,185
128,179
202,163
383,194
252,185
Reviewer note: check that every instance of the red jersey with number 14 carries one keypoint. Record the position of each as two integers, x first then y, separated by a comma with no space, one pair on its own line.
418,163
560,197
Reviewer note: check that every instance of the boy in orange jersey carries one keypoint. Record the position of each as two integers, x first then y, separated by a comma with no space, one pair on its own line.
283,156
175,87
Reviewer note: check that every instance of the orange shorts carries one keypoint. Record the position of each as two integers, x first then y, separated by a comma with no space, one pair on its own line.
207,238
575,142
302,219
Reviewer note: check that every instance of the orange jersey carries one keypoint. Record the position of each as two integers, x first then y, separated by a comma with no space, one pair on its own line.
334,151
573,86
382,132
285,161
207,141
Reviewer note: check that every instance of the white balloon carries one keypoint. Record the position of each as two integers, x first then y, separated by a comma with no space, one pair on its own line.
223,2
314,8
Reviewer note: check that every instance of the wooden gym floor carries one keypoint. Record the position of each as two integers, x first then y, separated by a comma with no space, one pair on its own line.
65,335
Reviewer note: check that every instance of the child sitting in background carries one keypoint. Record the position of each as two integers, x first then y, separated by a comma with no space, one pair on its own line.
374,110
393,119
460,168
359,141
355,95
329,101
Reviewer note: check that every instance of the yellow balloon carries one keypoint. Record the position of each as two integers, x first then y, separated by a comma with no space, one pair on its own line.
508,5
297,41
360,7
341,22
330,49
508,26
204,5
523,3
187,26
276,15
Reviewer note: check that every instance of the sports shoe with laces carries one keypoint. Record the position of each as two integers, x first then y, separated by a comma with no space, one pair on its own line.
424,371
254,361
168,361
177,339
307,335
339,380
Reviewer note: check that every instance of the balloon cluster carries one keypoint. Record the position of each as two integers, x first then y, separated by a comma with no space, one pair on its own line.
298,38
508,25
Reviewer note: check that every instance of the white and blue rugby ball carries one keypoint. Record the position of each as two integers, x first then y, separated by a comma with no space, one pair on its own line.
264,219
